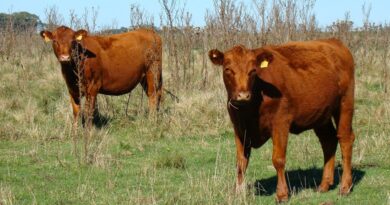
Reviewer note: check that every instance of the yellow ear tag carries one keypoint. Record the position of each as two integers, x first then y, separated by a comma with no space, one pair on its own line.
264,64
79,37
47,39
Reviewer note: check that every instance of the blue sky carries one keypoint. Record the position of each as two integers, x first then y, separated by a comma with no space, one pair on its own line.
327,11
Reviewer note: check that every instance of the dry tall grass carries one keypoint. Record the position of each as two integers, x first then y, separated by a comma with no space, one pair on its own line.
186,68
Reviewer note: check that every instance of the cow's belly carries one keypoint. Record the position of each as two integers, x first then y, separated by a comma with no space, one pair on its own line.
315,103
120,74
312,116
120,85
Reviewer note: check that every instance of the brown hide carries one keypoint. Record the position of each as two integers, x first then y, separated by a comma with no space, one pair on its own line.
111,65
298,86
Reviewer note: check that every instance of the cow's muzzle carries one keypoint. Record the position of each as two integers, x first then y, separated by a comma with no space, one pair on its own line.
241,98
64,58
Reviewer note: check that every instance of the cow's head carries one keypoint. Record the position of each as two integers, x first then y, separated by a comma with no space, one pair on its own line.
63,39
239,72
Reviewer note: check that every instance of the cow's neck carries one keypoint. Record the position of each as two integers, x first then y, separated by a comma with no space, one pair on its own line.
246,121
69,71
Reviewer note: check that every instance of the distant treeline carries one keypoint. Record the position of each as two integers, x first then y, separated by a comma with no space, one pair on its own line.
20,21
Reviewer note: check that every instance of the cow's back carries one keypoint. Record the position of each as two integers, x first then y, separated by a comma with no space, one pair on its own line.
138,39
126,47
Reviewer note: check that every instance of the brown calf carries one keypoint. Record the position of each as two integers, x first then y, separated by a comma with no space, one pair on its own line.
292,87
111,65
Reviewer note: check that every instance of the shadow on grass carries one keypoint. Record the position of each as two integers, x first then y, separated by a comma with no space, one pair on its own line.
99,120
299,180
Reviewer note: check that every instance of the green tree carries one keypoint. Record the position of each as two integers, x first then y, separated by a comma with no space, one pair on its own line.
19,21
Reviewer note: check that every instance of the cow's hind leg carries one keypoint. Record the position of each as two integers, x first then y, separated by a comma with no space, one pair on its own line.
328,139
346,138
152,84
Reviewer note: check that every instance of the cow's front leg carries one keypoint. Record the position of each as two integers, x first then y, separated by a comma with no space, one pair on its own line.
90,100
243,154
89,108
279,141
75,101
92,86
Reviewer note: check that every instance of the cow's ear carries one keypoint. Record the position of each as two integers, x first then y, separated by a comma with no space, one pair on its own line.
216,57
80,34
79,50
46,35
263,59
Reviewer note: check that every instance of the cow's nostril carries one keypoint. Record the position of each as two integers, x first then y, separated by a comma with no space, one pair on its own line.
243,96
64,57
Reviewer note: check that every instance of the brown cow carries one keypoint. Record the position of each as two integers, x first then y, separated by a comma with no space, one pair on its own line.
292,87
111,65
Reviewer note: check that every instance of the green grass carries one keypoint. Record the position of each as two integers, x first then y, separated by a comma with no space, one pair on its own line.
190,170
187,156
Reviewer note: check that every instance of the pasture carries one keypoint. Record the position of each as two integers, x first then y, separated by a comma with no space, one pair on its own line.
186,155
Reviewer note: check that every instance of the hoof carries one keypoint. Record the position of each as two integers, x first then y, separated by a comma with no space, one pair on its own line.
240,188
281,200
322,188
345,190
327,203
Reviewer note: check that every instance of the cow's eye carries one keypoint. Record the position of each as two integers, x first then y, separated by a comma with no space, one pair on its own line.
252,72
229,71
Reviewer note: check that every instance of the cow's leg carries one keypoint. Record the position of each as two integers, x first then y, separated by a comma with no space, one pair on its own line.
90,102
328,139
346,138
153,87
75,101
243,153
279,141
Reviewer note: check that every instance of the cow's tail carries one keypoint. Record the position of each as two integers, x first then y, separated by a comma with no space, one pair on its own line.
173,96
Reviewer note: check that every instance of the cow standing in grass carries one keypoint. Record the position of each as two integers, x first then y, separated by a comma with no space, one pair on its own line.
111,65
292,87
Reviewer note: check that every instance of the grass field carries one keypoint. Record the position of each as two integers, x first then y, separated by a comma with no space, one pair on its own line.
186,156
